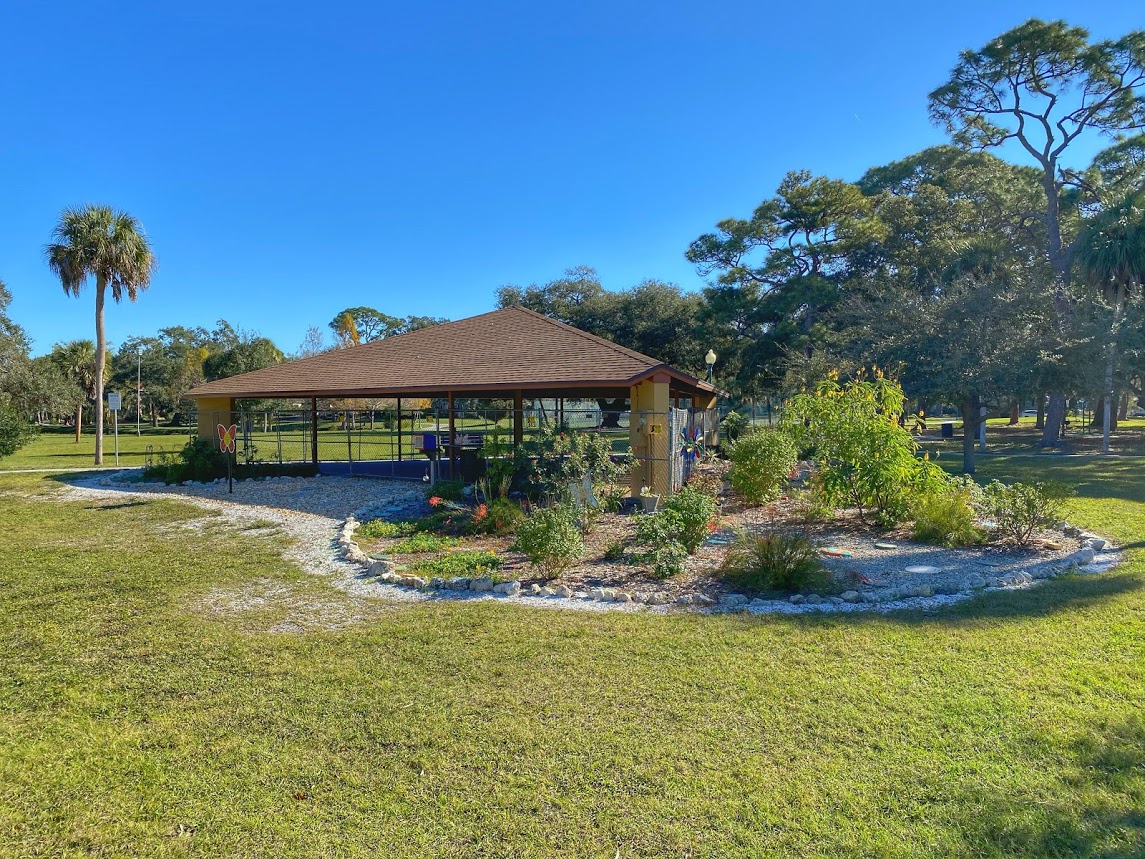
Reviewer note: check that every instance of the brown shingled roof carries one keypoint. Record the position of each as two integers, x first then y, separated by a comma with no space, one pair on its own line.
491,354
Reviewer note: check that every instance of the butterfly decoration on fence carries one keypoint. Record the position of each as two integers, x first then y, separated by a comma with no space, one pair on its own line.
693,443
227,437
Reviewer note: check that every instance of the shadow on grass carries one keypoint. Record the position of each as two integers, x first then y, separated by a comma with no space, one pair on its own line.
1108,769
118,506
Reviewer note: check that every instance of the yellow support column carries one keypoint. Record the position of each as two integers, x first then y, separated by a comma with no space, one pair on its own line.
212,412
648,436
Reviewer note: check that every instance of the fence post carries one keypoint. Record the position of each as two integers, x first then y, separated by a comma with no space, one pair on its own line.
314,430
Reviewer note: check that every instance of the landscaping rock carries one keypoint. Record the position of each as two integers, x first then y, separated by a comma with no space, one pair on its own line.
1097,544
414,582
380,567
622,596
813,599
733,600
703,599
458,583
546,591
534,590
1083,556
390,578
794,599
482,585
509,589
684,599
849,596
1071,530
436,583
973,582
563,591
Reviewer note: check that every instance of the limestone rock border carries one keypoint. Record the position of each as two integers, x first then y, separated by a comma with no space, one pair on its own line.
867,597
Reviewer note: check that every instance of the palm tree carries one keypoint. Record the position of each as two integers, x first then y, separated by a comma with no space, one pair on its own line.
1111,255
76,360
110,246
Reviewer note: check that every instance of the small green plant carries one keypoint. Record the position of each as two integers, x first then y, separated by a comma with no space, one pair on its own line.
15,431
1020,509
761,463
779,562
662,535
459,564
423,543
377,529
696,513
946,517
614,551
502,517
550,538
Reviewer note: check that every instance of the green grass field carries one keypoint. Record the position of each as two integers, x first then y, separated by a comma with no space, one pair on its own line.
56,447
136,722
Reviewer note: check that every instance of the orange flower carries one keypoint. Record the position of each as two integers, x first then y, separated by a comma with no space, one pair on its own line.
434,501
480,513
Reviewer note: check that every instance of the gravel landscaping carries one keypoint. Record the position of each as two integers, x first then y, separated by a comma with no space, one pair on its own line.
320,515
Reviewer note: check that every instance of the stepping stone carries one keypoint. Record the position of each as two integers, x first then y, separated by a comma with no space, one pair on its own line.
832,552
921,569
886,545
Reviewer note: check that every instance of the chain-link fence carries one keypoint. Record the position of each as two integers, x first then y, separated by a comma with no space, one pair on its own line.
385,444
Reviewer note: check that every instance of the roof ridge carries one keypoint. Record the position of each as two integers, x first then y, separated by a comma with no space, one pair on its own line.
623,350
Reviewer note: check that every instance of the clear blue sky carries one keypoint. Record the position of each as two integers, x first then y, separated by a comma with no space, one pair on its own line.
289,160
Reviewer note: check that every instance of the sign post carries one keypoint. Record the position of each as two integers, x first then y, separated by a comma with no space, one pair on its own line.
114,401
227,437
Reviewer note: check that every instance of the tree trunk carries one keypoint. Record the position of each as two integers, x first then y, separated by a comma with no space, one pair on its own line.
100,347
1123,407
79,420
1015,412
1055,418
1040,421
971,416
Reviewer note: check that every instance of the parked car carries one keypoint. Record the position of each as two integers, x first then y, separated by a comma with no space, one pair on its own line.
1029,413
1137,413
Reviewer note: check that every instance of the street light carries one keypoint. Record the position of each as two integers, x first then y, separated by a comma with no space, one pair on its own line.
710,360
138,387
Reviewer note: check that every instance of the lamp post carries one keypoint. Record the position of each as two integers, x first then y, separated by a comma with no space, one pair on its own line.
710,360
138,387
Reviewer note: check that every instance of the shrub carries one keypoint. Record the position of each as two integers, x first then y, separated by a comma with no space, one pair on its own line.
449,490
377,529
733,426
423,542
865,458
1020,509
783,562
503,517
15,431
946,517
550,539
696,512
760,464
614,551
555,457
459,564
662,535
200,459
708,482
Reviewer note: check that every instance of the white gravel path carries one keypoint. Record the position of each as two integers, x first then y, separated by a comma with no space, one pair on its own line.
312,511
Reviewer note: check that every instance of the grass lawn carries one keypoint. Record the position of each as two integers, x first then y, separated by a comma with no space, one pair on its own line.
56,447
136,722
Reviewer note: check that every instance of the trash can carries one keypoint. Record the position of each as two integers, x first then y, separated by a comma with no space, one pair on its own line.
471,464
948,430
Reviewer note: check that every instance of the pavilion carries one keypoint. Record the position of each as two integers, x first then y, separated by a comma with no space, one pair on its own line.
510,353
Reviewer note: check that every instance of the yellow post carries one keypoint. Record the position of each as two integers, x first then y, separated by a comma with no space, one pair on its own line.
648,436
212,412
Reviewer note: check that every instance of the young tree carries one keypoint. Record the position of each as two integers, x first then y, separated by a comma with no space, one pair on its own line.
78,363
110,246
1043,85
